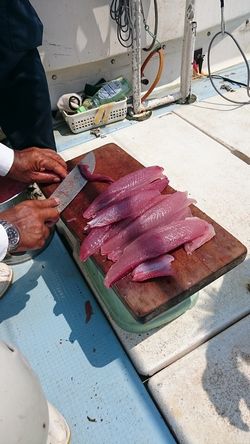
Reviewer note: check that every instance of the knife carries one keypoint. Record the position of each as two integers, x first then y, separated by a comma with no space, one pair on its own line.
73,182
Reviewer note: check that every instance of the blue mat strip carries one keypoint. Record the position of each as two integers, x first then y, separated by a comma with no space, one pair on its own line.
81,365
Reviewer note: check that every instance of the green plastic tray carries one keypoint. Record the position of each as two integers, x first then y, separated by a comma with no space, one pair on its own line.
117,310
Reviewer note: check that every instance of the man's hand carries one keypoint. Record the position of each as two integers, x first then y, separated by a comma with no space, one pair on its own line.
37,165
32,219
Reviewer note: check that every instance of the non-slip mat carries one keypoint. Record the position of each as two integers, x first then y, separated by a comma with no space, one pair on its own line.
82,367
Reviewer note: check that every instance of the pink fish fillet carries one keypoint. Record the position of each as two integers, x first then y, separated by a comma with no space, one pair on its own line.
122,187
122,224
161,266
131,206
159,184
160,214
100,235
93,241
180,215
198,241
93,177
155,243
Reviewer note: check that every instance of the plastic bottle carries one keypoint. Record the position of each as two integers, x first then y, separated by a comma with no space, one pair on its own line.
112,91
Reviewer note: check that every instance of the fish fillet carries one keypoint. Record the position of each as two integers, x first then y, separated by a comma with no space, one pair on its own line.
161,266
93,177
155,243
122,187
131,206
180,215
93,241
97,236
160,214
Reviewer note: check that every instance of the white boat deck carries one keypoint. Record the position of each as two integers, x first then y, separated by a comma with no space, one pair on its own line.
205,396
79,363
204,148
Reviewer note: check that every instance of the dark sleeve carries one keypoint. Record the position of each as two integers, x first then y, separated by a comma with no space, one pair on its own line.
24,26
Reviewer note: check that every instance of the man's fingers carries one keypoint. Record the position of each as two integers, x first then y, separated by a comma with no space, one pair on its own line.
53,166
43,177
55,156
49,215
44,203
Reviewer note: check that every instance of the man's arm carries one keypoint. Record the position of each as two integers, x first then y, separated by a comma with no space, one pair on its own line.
32,219
32,165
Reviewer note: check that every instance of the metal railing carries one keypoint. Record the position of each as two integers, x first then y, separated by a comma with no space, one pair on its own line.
189,35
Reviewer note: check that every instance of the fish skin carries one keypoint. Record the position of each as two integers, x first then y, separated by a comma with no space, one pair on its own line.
161,213
122,187
160,266
155,243
131,206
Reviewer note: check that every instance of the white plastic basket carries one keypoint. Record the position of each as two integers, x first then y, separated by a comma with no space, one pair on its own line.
108,113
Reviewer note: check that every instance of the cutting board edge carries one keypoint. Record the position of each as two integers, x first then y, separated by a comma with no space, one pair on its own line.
182,296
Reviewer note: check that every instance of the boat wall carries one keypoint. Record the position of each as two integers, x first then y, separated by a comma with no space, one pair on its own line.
80,42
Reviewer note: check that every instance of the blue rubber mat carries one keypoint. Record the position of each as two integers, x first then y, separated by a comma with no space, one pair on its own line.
82,367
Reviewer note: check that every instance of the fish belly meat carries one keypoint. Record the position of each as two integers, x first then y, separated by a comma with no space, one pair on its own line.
122,187
160,266
154,243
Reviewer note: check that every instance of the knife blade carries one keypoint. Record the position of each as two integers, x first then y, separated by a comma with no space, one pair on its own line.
73,182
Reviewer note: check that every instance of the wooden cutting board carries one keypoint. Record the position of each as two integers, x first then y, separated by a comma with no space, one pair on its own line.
149,299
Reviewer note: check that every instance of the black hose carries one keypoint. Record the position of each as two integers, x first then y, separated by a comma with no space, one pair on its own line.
120,11
151,46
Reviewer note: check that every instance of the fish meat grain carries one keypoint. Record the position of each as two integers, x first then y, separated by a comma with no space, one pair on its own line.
208,234
162,213
154,243
99,235
122,188
160,266
131,206
93,242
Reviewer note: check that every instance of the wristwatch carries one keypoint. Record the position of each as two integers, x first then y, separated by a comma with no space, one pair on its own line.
13,235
